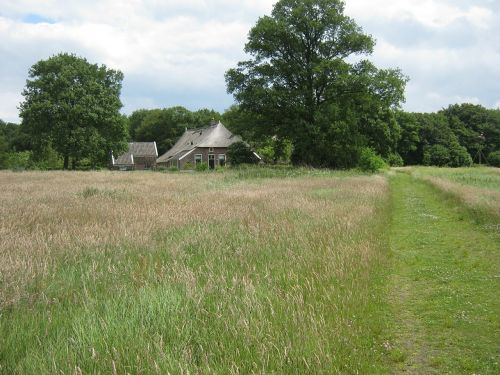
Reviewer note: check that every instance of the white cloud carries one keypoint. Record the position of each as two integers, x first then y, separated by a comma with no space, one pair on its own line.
9,101
446,47
430,13
187,45
176,52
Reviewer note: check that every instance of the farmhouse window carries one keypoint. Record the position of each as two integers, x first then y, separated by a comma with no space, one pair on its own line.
198,158
211,149
222,160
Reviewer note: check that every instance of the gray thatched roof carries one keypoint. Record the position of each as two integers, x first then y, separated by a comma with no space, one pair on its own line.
213,136
137,149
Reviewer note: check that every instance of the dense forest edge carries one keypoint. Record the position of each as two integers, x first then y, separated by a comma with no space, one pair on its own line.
460,135
307,95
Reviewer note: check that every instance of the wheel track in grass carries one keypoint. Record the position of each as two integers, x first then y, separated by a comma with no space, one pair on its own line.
444,287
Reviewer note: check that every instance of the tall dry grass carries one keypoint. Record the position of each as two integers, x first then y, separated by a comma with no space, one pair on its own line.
179,272
478,188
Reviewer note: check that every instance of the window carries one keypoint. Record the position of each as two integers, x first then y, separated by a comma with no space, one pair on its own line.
198,159
211,149
222,160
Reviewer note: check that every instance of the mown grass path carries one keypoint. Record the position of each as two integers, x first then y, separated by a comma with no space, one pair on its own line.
444,290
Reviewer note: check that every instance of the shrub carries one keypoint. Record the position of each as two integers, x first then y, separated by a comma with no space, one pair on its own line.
267,153
369,161
453,156
202,167
188,166
459,157
19,160
4,157
173,169
437,155
494,158
395,160
84,165
240,153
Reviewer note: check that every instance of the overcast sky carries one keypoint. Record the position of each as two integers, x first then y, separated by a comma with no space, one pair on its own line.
175,52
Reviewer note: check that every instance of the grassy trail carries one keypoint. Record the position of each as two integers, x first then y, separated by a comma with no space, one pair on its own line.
445,285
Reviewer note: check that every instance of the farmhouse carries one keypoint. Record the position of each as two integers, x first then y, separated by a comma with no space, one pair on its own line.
196,146
139,156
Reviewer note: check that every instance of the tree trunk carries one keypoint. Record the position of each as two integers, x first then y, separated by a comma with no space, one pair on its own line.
66,162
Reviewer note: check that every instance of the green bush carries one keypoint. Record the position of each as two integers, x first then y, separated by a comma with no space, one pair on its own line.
19,160
27,160
267,153
202,167
459,157
4,157
173,169
369,161
188,166
84,165
437,155
395,160
494,158
441,156
240,153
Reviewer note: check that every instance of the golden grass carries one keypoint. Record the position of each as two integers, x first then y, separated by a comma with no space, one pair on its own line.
473,197
46,215
478,188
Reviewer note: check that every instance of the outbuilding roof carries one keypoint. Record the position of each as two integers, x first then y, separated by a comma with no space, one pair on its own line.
137,149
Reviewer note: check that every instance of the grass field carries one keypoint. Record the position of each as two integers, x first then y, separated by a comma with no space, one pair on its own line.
478,188
246,271
444,283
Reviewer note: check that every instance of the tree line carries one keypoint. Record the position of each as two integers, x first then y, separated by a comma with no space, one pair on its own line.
306,95
459,135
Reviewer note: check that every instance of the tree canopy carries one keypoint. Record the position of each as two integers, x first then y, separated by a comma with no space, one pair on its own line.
240,153
165,126
72,107
477,128
305,83
452,137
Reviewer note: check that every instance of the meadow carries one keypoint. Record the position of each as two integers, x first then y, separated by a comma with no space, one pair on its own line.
478,188
444,281
245,271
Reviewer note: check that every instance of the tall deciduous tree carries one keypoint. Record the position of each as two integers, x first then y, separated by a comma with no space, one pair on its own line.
477,128
73,106
303,82
135,120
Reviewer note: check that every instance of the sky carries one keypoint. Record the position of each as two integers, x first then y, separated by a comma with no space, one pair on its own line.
175,52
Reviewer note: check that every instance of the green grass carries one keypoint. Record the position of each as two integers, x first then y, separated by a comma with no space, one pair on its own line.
476,188
317,272
295,291
444,284
481,177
